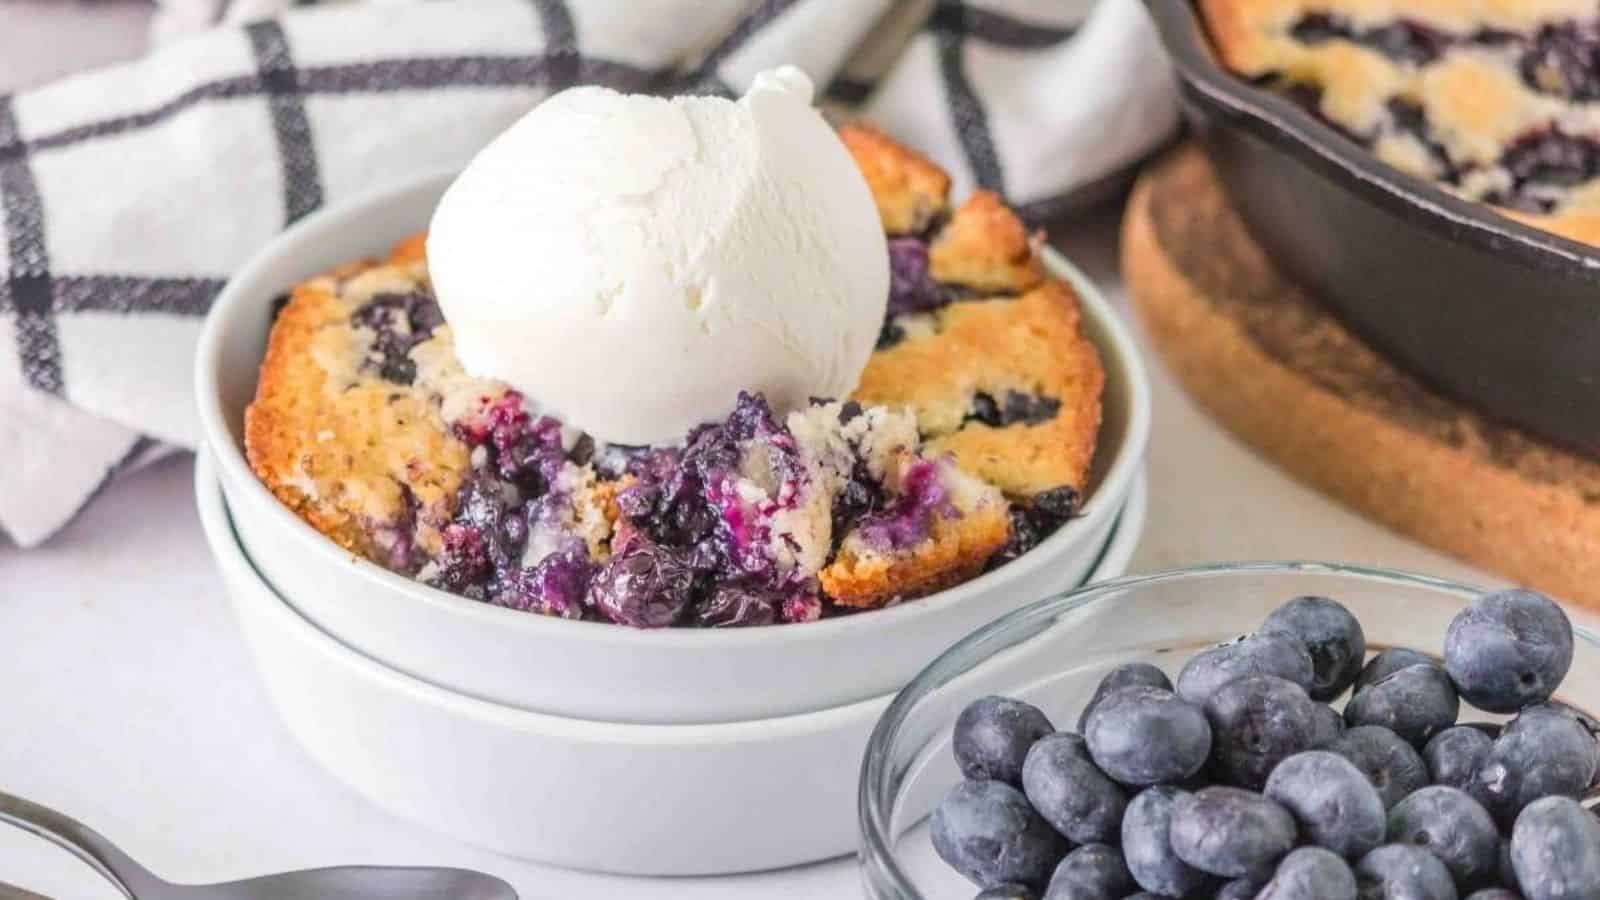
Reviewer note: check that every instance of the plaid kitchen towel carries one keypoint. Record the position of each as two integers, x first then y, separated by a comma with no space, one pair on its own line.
129,194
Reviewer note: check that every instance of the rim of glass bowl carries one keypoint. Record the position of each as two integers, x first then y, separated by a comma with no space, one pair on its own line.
875,794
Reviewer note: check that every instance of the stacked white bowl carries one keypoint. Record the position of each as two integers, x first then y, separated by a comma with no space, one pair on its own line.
586,744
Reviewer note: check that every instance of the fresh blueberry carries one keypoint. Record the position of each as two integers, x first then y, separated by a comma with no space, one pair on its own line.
1125,675
1253,654
1508,650
1230,832
1145,735
1007,892
1388,662
1239,889
1328,725
1147,847
1332,801
987,831
1454,827
1416,703
1543,752
1494,893
1311,873
1403,872
1332,636
1393,766
1555,848
1091,872
1455,755
1257,722
1076,798
992,737
1508,869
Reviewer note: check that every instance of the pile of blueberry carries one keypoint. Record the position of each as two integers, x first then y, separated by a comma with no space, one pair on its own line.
1242,782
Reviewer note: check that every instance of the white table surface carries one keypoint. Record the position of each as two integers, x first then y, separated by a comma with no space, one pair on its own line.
127,697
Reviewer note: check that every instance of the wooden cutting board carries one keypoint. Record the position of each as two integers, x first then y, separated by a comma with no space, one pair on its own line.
1284,375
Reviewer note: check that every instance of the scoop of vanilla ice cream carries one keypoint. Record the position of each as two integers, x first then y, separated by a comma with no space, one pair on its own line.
631,263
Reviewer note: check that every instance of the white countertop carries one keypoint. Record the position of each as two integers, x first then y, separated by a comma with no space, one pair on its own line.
129,701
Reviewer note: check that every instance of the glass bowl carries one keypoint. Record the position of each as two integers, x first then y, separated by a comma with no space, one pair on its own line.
1053,654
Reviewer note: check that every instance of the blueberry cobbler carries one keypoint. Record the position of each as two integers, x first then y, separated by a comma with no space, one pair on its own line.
1498,102
967,442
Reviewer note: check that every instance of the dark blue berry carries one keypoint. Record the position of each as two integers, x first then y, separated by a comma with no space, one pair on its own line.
1393,766
1147,845
1239,889
1508,650
1007,892
1076,798
1257,722
1455,755
554,586
1555,848
993,735
1403,872
1254,654
1508,869
1328,725
1494,893
1331,635
1231,832
1453,827
1144,735
1388,662
734,604
643,584
1311,873
911,287
1416,703
1125,675
987,831
1091,872
1543,752
1332,802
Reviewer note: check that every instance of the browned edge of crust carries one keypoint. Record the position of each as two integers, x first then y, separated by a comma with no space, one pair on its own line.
957,549
1539,534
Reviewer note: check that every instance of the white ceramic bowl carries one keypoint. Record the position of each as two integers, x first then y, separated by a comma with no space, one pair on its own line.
596,670
640,799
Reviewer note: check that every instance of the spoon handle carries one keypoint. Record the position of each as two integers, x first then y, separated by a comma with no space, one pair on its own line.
81,841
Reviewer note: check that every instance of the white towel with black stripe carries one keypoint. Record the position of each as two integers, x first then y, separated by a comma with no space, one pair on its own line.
130,194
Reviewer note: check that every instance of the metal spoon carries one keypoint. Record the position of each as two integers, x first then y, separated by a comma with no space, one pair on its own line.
341,883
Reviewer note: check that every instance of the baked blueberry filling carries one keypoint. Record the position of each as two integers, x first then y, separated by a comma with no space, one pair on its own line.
1412,119
905,522
1403,41
911,286
1017,407
1564,60
700,538
1543,165
398,322
1037,519
889,335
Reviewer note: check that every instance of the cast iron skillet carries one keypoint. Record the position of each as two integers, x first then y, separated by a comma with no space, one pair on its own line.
1501,315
